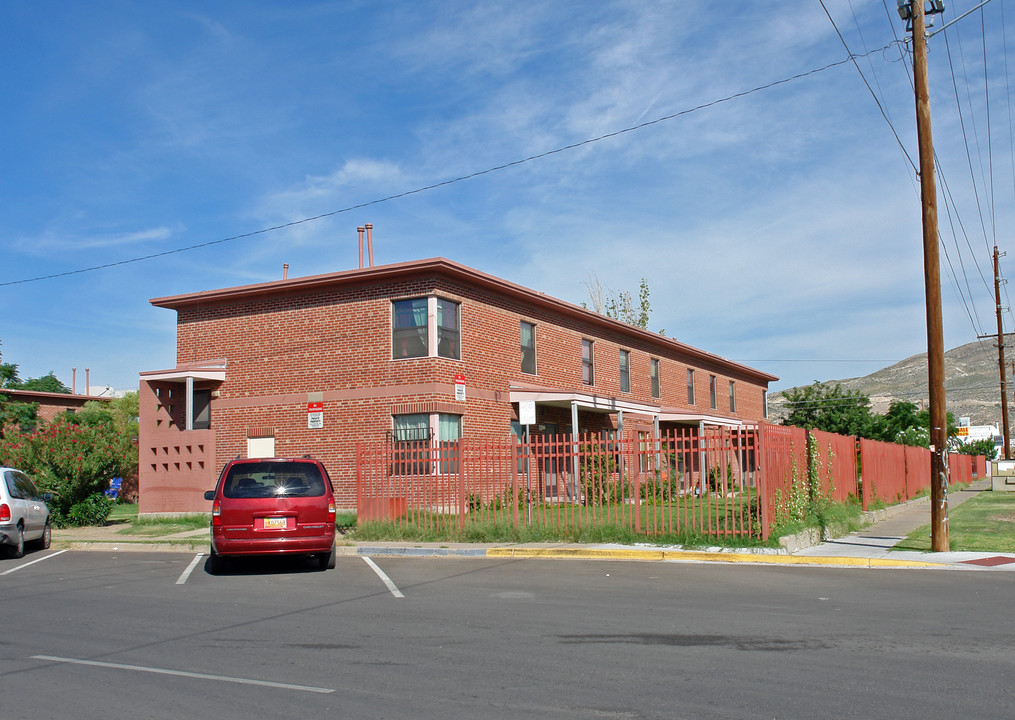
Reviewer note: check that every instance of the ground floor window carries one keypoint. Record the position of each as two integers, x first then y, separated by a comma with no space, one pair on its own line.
426,443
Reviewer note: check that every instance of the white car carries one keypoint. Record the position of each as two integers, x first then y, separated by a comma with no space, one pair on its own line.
24,515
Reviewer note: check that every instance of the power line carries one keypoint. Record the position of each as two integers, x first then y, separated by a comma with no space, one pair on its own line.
451,181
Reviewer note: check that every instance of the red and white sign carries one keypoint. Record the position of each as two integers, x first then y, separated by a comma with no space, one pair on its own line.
315,415
460,388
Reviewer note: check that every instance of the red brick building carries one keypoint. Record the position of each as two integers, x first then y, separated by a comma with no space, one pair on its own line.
420,350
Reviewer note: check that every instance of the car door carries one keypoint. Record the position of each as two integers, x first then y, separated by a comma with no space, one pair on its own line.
33,508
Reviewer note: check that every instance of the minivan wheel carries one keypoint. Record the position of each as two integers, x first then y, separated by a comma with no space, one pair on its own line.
327,561
18,549
216,563
47,537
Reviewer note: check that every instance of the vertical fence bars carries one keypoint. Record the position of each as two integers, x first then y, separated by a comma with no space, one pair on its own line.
720,482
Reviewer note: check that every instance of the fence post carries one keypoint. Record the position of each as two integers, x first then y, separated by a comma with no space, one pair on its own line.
763,465
462,500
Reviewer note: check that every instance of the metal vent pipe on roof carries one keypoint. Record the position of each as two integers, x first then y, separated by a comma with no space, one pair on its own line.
370,243
359,231
285,270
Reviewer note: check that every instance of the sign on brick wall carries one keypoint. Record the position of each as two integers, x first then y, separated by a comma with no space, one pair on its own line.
315,415
460,388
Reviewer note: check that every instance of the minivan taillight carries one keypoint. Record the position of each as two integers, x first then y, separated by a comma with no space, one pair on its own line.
5,512
331,511
216,513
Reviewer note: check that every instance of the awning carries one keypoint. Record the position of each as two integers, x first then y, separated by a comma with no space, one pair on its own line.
214,370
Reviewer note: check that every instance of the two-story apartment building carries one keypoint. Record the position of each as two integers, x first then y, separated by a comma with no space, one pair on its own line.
427,350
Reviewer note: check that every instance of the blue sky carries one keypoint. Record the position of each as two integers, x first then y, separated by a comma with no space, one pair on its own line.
779,228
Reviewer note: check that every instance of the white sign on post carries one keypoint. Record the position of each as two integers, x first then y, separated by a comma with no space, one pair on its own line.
527,412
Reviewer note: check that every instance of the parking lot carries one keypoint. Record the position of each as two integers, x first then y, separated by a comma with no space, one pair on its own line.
154,635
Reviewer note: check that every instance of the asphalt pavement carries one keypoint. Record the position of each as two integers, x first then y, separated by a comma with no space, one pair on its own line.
868,548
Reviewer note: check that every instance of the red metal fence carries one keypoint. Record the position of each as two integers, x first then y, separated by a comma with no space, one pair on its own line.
722,482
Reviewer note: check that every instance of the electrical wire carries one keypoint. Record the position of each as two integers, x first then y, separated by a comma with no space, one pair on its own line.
450,181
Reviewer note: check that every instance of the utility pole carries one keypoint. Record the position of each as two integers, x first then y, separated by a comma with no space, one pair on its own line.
932,280
1000,359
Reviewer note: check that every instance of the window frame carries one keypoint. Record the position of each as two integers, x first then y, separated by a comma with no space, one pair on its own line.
437,336
588,362
653,373
429,454
712,392
625,371
733,396
690,386
530,349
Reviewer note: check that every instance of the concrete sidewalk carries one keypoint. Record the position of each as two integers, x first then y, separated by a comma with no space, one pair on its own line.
869,548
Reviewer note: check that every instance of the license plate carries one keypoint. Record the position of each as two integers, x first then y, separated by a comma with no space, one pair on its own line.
275,523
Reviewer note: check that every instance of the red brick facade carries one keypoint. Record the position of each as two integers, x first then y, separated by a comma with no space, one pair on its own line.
266,351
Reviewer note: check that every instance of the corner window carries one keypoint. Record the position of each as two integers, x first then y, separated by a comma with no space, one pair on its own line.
424,327
711,391
409,333
202,410
764,404
733,397
588,374
690,386
654,377
425,443
625,371
528,340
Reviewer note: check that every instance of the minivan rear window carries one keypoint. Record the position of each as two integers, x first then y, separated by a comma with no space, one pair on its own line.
267,480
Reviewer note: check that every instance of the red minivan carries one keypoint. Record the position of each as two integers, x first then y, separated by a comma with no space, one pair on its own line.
270,506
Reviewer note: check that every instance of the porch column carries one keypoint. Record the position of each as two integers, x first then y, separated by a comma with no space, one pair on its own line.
190,403
574,448
655,430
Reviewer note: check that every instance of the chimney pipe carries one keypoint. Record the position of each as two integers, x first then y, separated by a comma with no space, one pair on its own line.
285,270
370,242
73,381
359,231
87,380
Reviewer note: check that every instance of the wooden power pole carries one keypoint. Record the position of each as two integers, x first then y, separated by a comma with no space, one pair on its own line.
932,283
1000,359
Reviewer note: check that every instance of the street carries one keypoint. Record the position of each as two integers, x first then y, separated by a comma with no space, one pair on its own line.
145,635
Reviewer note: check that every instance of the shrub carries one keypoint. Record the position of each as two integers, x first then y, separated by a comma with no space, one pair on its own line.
93,510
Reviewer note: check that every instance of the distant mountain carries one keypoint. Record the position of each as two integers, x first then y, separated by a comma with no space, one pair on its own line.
972,384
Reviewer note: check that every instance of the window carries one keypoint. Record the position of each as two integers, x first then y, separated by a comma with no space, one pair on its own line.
711,391
733,397
625,371
409,333
528,340
690,386
448,335
588,376
426,443
654,374
202,410
764,404
422,327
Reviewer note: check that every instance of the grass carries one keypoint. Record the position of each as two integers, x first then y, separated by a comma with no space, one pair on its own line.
155,527
984,523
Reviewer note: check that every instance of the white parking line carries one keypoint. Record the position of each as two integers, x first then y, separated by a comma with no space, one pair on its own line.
181,673
32,562
384,578
190,568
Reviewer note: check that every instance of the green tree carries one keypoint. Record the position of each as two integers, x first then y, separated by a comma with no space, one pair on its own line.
46,383
823,407
619,305
984,447
8,375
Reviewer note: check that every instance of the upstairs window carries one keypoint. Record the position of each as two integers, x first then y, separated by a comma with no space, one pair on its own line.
424,327
654,377
764,404
733,397
528,340
690,386
409,332
625,371
588,374
448,334
711,391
